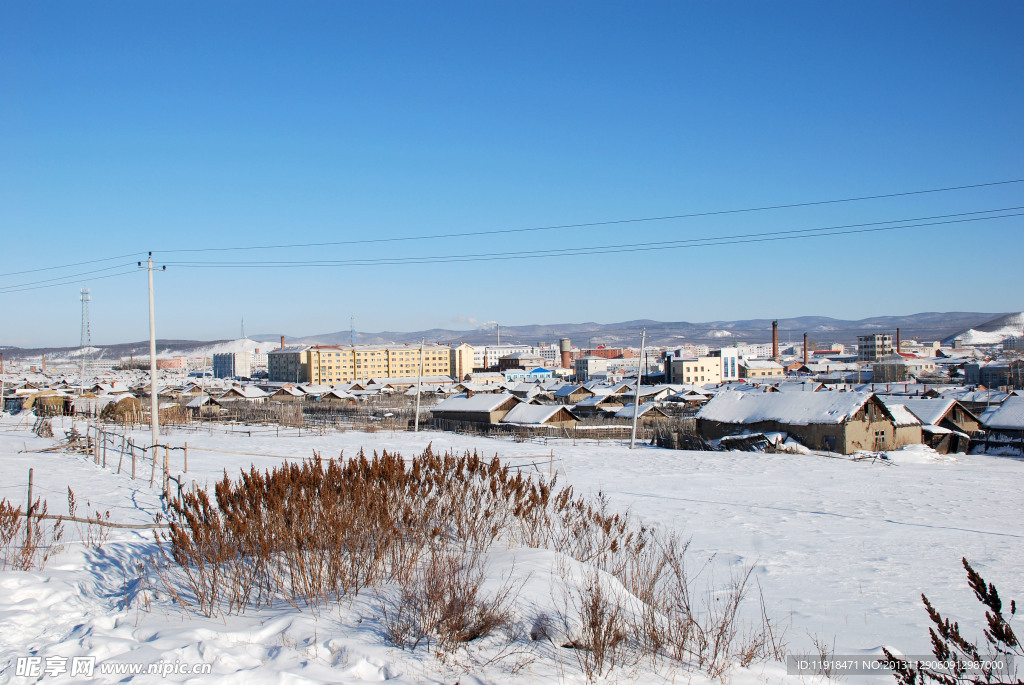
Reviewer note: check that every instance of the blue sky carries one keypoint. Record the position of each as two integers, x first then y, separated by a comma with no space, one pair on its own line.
127,127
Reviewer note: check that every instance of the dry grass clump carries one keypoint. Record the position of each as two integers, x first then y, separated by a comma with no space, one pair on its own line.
40,538
416,533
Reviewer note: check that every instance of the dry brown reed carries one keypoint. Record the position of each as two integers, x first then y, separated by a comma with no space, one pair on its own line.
416,532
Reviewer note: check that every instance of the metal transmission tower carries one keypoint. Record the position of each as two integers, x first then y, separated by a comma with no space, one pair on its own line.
86,333
352,325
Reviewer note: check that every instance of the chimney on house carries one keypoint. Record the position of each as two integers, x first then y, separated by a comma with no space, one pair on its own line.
565,347
805,349
282,341
898,341
775,340
469,393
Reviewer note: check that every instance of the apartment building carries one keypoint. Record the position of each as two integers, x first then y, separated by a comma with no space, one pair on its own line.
289,364
232,364
345,364
871,348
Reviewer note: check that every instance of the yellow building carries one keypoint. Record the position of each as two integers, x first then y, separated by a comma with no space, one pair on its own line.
345,364
699,370
761,368
462,361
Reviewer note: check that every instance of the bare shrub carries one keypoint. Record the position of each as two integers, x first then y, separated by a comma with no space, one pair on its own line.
42,536
955,654
310,533
442,602
93,533
597,624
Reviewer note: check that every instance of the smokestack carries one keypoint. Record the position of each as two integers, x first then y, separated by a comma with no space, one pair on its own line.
775,340
565,347
805,349
282,341
44,363
898,340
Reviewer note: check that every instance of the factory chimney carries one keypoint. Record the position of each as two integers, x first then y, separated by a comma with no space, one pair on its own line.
565,347
282,342
775,340
898,341
805,349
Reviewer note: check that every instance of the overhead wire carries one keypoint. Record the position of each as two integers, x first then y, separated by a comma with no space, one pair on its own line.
691,242
612,222
768,236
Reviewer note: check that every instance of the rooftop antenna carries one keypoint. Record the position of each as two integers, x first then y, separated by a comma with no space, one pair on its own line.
86,333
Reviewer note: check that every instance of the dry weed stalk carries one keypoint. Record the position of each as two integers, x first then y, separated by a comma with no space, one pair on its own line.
42,538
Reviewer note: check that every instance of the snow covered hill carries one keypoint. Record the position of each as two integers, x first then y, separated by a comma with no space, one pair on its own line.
992,332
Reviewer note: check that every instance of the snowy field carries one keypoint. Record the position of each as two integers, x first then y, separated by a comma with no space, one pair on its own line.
841,550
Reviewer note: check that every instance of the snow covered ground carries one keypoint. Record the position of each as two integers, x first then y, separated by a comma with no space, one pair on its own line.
841,549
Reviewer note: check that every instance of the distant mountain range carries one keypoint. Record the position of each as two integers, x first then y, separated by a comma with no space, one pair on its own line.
971,327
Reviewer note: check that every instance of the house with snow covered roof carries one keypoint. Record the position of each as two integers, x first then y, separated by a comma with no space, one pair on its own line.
243,393
524,414
946,425
475,408
843,422
1005,427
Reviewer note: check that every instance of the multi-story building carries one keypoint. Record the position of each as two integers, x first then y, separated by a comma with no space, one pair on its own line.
288,364
729,357
461,361
345,364
487,357
232,364
588,367
871,348
699,370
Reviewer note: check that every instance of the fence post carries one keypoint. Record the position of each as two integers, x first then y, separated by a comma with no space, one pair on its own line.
152,472
167,471
120,459
186,457
28,513
104,434
131,449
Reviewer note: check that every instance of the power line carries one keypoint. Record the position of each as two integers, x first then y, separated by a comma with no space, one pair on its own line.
613,222
795,234
17,289
26,286
68,266
69,278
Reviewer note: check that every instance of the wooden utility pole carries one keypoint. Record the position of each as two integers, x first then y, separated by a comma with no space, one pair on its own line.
154,404
419,385
636,399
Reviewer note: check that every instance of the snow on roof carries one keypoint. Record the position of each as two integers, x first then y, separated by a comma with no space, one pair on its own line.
477,403
627,411
797,408
760,364
1009,416
901,416
246,391
531,414
929,410
568,389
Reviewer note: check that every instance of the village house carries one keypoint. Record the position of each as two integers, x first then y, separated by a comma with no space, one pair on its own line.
843,422
475,408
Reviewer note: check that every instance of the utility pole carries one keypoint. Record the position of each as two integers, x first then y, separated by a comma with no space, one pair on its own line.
419,384
636,398
154,404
